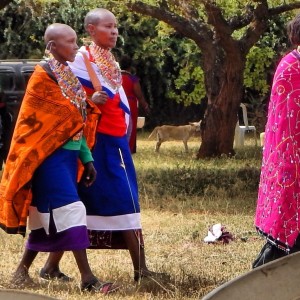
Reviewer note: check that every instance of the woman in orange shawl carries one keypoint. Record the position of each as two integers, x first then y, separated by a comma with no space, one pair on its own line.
54,127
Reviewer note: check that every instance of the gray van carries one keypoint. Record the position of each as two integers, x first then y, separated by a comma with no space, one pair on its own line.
14,76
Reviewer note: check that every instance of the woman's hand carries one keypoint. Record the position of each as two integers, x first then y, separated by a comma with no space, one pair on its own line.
99,97
89,174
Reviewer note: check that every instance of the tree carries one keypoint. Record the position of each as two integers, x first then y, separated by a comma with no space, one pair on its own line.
23,23
224,37
3,3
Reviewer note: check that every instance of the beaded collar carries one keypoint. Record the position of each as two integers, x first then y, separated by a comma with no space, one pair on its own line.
107,64
69,85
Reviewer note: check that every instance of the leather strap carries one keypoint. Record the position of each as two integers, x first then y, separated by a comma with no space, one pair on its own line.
93,76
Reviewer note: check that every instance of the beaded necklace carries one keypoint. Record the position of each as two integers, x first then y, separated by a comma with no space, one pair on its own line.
107,64
69,85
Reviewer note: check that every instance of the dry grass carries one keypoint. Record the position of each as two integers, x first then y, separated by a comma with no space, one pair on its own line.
174,225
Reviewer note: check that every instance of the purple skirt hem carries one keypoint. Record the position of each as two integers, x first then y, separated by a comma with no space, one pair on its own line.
75,238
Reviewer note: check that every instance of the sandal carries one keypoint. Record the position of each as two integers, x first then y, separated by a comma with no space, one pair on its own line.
98,286
55,275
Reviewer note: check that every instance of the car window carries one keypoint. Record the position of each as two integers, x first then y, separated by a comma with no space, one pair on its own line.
26,76
26,72
7,80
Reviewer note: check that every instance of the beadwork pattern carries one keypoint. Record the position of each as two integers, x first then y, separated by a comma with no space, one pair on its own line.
278,206
69,85
107,64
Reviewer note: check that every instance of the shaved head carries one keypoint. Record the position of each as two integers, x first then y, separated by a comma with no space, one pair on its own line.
102,26
61,42
55,31
95,15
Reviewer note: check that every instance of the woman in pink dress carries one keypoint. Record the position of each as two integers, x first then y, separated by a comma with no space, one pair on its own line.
278,206
135,96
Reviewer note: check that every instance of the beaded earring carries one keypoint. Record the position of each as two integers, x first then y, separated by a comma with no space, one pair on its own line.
47,53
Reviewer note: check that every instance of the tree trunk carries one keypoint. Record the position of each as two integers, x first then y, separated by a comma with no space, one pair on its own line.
221,115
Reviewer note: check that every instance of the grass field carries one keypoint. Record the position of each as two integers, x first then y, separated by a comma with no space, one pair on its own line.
180,199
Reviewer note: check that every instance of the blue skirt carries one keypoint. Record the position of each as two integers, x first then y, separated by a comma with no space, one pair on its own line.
112,201
57,217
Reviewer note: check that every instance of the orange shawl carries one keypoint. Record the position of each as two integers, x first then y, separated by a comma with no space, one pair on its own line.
46,121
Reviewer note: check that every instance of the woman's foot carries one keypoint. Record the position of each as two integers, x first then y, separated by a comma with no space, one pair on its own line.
97,286
56,274
21,278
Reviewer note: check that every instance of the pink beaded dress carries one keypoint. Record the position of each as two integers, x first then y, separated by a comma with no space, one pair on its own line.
278,205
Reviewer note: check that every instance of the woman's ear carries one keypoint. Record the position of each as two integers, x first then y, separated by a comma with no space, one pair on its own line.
91,29
53,46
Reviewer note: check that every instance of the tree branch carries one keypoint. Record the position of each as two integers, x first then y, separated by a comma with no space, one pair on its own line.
188,8
257,26
239,22
223,32
215,17
245,19
198,31
283,8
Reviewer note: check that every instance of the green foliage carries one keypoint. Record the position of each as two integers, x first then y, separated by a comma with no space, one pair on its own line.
186,77
25,23
189,85
258,60
234,8
17,38
160,54
263,57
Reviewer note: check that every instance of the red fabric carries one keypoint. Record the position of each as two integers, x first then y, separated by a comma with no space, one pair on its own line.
112,120
128,84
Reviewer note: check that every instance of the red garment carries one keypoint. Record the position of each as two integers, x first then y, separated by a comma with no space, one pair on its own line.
128,82
112,121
